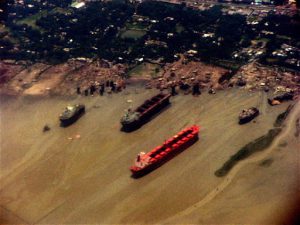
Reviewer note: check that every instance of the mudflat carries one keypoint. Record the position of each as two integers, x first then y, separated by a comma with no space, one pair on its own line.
80,174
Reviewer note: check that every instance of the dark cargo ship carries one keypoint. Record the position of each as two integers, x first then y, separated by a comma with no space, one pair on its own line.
248,114
71,114
147,162
134,119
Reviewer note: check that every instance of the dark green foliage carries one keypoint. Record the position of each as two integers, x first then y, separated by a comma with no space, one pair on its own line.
96,30
282,116
259,144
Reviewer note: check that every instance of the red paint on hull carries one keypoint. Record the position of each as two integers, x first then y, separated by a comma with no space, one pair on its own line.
147,162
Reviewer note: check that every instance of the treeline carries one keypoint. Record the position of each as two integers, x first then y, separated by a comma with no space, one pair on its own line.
95,30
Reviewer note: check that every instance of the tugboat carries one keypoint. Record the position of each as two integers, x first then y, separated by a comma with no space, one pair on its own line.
147,162
71,114
134,119
248,114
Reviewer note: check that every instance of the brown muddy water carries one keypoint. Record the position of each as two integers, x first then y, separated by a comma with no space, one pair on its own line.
54,177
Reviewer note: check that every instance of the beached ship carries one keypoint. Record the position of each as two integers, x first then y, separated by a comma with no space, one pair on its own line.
133,119
146,162
281,98
248,114
71,114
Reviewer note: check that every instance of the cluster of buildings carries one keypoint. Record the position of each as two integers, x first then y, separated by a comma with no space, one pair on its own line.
289,55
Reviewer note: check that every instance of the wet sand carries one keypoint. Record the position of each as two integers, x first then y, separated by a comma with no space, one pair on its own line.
47,178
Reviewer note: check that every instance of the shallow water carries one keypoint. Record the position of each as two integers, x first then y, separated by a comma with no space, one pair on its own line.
54,177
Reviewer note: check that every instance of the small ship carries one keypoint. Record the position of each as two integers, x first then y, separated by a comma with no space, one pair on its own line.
248,114
136,118
71,114
281,98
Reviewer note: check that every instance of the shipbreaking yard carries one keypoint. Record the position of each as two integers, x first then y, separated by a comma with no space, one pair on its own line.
80,174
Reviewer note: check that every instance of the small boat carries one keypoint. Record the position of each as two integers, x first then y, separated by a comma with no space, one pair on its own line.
147,162
248,114
134,119
71,114
281,98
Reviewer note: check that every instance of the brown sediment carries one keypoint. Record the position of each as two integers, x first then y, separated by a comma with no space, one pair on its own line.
47,178
60,79
8,217
297,133
259,144
8,71
190,72
63,79
257,76
266,162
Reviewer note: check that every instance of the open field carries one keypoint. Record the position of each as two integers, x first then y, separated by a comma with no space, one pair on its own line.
146,70
48,178
31,20
134,34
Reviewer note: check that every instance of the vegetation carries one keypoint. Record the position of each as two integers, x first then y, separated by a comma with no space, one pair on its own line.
53,31
282,116
143,69
133,34
108,30
284,32
259,144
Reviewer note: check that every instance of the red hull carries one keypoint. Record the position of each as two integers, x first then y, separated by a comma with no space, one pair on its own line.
159,155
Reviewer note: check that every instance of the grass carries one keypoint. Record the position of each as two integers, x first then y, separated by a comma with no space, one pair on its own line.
137,26
259,144
283,37
179,28
133,34
227,64
9,35
263,40
61,10
145,69
31,20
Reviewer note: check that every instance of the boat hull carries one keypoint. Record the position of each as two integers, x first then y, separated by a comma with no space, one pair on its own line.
137,172
247,119
147,116
64,122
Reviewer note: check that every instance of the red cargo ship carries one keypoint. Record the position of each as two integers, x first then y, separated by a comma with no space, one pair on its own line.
146,162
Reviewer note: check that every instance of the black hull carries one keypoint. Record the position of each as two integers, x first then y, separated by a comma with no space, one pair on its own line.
144,118
282,98
71,120
248,118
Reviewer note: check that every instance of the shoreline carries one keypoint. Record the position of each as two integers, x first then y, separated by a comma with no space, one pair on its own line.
53,167
62,79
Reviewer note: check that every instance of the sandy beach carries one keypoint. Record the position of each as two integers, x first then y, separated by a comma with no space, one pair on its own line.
80,174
